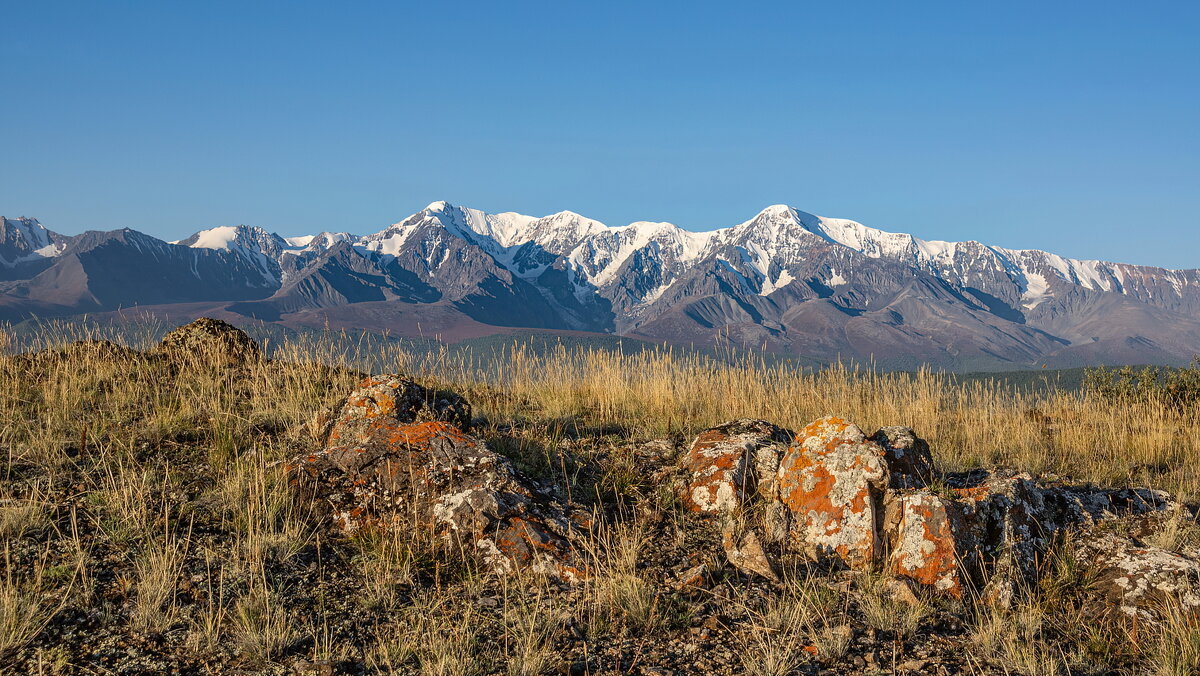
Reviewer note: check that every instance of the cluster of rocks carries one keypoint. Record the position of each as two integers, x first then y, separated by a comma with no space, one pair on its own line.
831,493
397,454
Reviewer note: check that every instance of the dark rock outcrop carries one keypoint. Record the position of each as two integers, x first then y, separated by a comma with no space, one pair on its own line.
211,339
909,462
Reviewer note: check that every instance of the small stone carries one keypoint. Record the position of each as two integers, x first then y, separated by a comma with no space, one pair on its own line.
746,553
901,592
695,577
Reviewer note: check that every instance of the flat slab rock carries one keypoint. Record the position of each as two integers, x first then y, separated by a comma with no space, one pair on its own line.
1138,579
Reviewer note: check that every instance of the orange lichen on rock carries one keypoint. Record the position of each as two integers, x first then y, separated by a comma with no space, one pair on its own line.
394,396
728,462
924,541
830,481
391,460
421,434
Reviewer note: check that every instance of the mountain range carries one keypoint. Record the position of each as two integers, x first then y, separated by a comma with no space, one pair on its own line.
784,281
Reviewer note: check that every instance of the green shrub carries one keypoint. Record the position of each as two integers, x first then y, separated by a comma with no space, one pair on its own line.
1178,388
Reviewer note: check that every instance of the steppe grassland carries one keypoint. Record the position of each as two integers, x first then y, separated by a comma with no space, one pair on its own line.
116,464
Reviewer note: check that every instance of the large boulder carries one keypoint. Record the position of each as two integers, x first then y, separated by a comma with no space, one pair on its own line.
381,470
728,463
831,482
212,341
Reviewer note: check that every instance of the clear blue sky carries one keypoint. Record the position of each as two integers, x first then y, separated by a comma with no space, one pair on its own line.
1073,127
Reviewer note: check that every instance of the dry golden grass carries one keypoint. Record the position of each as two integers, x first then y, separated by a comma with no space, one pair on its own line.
102,427
882,609
804,619
980,424
24,604
652,393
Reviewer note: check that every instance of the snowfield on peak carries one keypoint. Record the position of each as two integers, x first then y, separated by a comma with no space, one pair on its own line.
25,239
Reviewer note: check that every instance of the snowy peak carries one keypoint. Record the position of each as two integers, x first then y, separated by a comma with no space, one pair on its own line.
784,279
25,239
243,239
262,249
318,242
639,262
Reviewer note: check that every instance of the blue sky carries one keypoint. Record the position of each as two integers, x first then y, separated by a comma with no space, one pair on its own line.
1073,127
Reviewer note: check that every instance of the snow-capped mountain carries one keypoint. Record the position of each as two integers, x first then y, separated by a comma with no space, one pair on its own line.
785,280
23,244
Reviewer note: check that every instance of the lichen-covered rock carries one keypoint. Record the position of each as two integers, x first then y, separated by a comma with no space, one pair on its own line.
1085,505
831,482
909,462
1002,520
990,530
394,396
925,537
993,529
730,462
834,494
432,475
212,340
1139,580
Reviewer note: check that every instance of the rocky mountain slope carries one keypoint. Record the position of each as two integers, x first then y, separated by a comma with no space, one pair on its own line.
784,280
